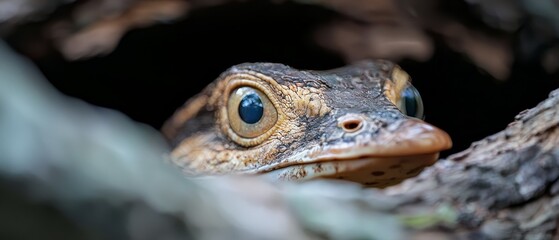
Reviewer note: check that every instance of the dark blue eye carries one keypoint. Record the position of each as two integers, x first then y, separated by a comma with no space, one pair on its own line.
250,113
411,103
251,108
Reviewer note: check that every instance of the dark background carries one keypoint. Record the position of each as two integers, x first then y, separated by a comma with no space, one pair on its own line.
155,70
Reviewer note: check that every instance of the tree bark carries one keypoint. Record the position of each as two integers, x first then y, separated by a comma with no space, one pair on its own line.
502,187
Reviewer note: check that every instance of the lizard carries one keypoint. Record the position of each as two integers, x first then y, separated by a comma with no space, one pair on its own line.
361,123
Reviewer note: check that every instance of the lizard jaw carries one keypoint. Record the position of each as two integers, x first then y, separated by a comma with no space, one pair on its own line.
387,160
369,171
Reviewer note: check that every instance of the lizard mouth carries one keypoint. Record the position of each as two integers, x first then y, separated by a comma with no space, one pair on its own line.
390,158
369,171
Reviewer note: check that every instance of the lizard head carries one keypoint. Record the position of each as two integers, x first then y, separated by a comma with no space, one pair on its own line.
359,123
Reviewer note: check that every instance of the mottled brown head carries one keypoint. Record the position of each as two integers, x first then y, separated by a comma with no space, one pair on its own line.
291,124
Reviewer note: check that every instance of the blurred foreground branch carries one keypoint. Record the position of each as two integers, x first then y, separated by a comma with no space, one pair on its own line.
104,170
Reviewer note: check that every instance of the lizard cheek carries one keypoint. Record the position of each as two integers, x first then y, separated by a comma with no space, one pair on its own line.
250,112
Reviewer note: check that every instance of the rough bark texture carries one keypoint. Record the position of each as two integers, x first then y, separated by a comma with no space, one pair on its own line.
503,187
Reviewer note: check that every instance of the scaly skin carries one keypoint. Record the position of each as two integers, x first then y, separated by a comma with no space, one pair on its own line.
341,123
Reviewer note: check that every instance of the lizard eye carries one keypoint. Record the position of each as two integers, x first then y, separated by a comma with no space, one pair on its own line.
251,108
250,112
410,102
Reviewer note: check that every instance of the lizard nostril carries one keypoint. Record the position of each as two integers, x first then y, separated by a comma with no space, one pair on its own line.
352,125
